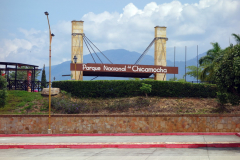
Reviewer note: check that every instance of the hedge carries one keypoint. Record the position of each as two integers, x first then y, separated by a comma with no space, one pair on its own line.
3,91
130,88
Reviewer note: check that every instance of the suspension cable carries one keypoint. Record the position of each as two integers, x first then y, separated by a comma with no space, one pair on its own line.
144,53
92,49
99,50
92,57
94,78
89,50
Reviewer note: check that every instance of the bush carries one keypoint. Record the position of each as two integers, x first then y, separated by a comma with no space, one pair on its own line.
131,88
146,88
3,91
227,75
65,105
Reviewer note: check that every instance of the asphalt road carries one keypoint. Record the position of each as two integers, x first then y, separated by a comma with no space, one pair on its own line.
122,154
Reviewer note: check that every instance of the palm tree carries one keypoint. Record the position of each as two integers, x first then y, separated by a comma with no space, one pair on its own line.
237,37
208,62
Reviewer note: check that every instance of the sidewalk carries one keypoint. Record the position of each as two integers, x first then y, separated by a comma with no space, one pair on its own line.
122,140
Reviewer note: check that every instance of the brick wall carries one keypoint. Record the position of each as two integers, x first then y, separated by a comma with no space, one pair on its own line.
23,124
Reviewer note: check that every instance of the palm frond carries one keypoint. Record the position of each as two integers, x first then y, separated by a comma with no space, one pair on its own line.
205,60
236,37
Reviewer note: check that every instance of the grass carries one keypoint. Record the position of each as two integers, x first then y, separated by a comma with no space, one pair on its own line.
20,102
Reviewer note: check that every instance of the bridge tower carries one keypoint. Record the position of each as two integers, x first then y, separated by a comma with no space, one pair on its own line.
77,47
160,51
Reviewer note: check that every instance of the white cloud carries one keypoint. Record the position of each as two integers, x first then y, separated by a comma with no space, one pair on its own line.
133,29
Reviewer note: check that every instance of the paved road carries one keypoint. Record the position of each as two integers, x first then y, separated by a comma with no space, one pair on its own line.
109,139
122,154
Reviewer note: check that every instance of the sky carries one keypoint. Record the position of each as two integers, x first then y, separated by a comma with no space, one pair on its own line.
109,24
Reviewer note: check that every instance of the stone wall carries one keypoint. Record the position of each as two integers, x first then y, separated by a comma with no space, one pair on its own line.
29,124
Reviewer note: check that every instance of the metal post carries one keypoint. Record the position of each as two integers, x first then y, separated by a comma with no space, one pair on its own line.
33,79
174,62
15,76
38,86
50,40
75,72
197,63
185,61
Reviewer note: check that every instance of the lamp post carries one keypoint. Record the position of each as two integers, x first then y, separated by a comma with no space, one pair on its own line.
50,38
75,61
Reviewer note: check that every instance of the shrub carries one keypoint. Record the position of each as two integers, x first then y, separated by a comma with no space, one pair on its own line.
3,91
131,88
146,88
65,105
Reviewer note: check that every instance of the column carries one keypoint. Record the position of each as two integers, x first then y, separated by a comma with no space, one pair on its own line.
77,47
160,51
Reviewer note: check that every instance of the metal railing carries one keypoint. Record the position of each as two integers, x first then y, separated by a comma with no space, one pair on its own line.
24,85
209,82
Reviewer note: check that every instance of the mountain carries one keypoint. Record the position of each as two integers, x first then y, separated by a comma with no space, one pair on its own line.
118,56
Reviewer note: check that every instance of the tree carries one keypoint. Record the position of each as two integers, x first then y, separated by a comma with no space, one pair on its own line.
22,75
177,80
195,72
146,88
208,62
3,91
236,37
134,79
173,79
43,79
227,75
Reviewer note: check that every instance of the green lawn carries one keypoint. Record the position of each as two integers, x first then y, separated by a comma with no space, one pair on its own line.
19,102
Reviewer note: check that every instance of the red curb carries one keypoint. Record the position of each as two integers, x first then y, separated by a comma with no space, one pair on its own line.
119,134
120,146
238,134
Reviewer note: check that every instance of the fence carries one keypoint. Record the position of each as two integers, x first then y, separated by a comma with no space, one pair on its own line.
208,82
24,85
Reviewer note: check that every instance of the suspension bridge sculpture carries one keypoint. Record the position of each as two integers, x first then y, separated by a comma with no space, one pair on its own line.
159,69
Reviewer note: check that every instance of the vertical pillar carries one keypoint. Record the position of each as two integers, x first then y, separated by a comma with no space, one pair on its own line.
15,82
160,51
77,47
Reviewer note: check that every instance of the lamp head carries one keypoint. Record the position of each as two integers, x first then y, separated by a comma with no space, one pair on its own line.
75,59
46,13
52,35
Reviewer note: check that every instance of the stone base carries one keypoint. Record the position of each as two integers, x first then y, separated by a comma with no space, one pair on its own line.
49,131
54,91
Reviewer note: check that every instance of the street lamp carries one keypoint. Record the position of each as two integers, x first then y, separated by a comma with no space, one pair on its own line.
50,39
75,61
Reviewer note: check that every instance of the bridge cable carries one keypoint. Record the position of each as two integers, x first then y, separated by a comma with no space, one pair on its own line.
144,53
99,51
93,49
89,50
91,55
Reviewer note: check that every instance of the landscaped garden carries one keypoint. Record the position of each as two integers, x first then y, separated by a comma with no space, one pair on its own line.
22,102
222,67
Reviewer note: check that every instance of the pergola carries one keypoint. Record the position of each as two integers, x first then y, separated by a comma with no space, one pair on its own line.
12,66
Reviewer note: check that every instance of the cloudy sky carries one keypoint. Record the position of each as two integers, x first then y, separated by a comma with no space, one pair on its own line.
112,24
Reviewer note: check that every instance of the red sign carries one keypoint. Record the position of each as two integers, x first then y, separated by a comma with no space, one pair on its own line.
128,68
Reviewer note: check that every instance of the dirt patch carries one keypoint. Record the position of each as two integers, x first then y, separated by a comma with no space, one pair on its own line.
138,105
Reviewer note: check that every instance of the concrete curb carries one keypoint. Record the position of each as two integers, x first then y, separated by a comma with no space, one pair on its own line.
120,134
119,145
